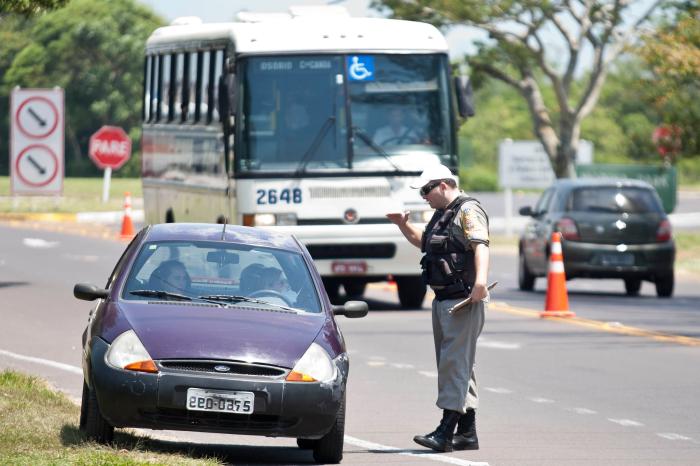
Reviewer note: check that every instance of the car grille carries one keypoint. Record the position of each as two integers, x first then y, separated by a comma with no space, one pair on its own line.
235,368
352,251
178,418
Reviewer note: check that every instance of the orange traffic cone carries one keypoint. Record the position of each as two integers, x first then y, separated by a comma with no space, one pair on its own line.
557,302
127,225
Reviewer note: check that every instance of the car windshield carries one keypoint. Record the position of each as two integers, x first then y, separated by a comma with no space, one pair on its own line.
226,273
631,200
294,113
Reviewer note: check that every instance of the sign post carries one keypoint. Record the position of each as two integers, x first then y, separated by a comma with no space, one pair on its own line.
110,148
36,141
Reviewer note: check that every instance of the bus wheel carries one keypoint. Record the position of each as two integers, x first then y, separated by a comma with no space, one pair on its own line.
411,291
354,287
169,216
332,289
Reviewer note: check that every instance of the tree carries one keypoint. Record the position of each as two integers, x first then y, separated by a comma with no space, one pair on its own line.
93,49
29,7
672,52
519,53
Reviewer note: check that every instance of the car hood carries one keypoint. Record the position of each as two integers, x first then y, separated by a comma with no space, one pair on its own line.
176,330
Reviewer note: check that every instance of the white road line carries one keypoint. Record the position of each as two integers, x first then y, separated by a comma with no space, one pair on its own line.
672,436
46,362
482,343
400,451
399,365
432,375
583,411
500,390
626,422
39,243
376,363
541,400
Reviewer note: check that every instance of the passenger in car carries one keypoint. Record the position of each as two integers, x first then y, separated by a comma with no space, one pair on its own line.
252,279
172,276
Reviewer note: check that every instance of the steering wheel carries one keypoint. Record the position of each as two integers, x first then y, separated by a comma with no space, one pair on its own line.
268,292
408,137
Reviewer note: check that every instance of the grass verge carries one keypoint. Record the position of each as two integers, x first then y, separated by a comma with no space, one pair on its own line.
39,426
79,195
688,252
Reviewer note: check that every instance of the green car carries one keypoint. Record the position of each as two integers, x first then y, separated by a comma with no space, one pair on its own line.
609,228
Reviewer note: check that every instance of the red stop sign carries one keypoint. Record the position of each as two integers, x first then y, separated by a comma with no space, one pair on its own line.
110,147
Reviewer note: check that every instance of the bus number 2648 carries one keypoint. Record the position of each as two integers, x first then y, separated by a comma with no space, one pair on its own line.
274,196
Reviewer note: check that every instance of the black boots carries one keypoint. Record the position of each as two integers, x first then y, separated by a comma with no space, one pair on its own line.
441,438
465,438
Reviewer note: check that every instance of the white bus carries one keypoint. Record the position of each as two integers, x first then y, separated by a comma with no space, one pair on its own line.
312,124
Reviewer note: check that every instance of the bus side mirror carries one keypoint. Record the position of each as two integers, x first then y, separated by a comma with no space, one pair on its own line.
227,89
465,96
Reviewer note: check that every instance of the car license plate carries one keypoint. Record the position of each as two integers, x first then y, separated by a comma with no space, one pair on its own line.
219,401
617,259
349,267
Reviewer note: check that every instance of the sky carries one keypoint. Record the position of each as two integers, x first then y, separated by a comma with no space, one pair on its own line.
211,11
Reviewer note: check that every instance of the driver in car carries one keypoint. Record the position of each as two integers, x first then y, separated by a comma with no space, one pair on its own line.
260,281
395,132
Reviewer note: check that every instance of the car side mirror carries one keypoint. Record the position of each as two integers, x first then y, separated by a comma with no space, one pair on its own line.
527,211
351,309
465,96
89,292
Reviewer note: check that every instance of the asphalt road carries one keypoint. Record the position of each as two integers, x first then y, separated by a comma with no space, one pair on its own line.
618,386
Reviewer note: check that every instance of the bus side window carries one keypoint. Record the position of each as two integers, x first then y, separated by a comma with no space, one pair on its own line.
185,111
196,85
178,88
157,95
211,86
218,64
146,101
204,89
165,101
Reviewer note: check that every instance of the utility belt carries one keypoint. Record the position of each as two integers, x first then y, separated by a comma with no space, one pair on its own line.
454,291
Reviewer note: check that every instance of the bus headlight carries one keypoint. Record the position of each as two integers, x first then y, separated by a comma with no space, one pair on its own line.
268,220
421,216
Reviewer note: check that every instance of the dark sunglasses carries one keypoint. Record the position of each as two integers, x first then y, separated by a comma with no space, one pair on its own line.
429,187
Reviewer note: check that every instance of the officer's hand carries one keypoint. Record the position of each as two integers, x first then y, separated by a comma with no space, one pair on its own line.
398,218
479,292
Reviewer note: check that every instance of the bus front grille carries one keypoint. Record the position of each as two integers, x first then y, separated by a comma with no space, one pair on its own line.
342,192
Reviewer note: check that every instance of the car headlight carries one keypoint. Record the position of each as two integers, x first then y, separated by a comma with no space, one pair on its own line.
314,366
267,220
127,352
421,216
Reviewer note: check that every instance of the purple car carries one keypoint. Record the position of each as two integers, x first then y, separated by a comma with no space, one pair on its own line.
216,328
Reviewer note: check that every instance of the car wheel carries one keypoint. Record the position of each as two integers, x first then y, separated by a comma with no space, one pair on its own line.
411,291
329,448
526,280
664,286
96,427
632,286
306,443
354,287
83,408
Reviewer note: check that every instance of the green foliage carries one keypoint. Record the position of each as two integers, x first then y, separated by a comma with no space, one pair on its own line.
478,178
93,49
29,7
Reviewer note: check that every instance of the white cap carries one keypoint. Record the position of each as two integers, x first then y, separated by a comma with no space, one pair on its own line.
432,173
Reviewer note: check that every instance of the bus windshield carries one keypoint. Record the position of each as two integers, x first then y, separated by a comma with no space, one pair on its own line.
338,113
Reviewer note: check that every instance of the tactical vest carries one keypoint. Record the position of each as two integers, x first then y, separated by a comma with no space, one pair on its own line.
448,263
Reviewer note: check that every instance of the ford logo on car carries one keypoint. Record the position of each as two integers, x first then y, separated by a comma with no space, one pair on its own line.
221,368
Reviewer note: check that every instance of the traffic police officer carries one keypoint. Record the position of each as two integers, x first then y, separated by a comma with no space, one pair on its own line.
455,265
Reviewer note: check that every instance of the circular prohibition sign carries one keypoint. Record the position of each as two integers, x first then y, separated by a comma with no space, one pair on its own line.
44,175
38,117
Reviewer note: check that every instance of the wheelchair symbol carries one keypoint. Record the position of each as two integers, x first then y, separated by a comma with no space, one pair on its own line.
358,71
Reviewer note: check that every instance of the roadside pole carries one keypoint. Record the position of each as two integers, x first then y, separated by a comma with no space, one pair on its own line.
105,184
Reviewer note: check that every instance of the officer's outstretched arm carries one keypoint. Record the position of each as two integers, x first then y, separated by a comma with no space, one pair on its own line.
481,263
412,234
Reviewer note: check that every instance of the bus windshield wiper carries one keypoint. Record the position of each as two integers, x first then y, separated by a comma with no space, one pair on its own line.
306,158
233,299
376,148
161,294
